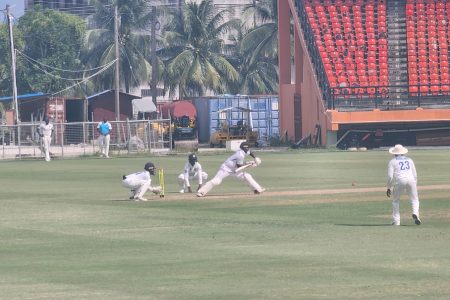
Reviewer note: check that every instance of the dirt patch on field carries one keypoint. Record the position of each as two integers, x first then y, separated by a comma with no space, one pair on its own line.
288,194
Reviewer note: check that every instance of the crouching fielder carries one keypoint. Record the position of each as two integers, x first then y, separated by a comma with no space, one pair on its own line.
402,176
232,166
140,182
192,170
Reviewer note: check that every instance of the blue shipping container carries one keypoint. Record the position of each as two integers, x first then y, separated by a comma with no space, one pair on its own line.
213,110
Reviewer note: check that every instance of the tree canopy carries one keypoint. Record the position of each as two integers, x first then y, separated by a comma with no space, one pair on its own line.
193,51
201,49
134,39
52,46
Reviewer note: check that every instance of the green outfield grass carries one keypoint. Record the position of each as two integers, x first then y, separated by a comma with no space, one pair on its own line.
67,231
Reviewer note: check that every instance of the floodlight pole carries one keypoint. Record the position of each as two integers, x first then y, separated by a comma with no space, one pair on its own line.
13,65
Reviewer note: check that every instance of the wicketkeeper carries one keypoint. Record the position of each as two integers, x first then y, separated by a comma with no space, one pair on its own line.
234,166
402,176
140,182
192,170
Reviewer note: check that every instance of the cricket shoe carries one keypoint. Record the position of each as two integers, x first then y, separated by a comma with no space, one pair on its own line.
259,192
132,194
416,219
395,223
140,199
181,191
200,194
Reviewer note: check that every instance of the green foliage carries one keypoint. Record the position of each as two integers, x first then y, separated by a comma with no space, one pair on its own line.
256,76
5,59
193,56
193,51
134,40
262,40
53,39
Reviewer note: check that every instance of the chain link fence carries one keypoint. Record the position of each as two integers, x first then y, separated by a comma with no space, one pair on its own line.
81,139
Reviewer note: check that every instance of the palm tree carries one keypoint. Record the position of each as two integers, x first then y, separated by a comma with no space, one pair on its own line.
257,76
263,39
134,41
193,51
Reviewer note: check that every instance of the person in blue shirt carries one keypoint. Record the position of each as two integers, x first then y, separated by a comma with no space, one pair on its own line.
104,129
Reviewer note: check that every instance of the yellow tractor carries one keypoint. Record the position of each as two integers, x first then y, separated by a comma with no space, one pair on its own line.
240,129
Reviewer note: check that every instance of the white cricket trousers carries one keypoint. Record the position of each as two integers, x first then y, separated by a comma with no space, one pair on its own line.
182,182
46,140
410,186
223,173
103,141
138,186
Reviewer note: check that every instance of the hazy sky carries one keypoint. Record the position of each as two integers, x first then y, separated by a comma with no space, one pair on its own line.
16,6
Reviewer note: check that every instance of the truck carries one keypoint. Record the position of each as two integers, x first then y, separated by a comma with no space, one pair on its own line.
183,116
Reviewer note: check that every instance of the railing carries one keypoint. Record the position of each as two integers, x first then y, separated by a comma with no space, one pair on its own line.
81,139
386,98
308,36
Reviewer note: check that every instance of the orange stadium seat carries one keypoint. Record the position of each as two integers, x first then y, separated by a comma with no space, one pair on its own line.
351,38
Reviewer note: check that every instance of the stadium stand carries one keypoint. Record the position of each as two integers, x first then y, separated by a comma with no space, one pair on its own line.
352,40
427,40
369,73
361,60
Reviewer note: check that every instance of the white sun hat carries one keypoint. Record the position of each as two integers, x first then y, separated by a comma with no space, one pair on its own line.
398,150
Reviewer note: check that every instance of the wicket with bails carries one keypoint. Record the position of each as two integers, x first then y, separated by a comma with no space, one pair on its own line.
161,182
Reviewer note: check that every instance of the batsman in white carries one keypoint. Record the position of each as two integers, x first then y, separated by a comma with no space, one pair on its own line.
234,166
192,170
140,182
45,131
402,176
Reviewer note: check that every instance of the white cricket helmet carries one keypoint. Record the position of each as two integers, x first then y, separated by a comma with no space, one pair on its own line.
398,150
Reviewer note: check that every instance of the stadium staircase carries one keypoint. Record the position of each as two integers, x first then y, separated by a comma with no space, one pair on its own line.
398,52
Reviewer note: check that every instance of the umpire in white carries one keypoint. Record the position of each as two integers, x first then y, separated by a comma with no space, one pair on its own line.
402,176
45,131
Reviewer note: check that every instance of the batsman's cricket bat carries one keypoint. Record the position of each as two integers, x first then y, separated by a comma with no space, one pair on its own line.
243,167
